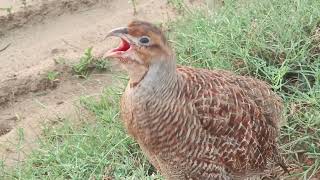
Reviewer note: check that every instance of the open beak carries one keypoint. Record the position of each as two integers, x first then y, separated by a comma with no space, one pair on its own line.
124,46
118,32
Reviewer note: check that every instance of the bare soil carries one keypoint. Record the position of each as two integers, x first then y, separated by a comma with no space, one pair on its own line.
32,38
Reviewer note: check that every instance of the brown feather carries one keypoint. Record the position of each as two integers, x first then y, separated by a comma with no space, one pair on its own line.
201,124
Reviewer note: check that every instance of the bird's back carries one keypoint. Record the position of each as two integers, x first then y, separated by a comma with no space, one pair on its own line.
242,111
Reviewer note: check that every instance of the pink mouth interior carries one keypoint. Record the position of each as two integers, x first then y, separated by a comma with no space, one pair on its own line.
123,46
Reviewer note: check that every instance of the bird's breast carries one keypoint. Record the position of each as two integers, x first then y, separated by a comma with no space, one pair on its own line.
134,113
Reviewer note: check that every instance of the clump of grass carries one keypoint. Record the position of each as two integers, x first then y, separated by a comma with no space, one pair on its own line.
101,64
82,67
88,63
52,76
270,40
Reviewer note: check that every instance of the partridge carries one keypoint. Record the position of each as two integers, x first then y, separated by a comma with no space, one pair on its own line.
195,123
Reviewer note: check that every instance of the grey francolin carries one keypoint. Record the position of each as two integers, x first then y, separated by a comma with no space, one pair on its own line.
194,123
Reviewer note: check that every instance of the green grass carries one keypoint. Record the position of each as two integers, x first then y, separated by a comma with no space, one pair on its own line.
88,63
92,150
52,75
272,40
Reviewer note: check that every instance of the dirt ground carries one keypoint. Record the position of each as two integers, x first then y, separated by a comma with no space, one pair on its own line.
32,37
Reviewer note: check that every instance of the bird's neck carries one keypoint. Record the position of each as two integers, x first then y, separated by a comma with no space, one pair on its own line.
160,77
136,75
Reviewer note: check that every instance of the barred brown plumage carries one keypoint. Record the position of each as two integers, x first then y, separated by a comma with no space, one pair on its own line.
195,123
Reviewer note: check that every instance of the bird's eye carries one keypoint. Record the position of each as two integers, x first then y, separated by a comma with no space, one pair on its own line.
144,40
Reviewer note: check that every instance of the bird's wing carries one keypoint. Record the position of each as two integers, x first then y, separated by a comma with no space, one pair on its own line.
240,113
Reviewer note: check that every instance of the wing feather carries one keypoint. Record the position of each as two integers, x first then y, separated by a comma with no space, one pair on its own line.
242,112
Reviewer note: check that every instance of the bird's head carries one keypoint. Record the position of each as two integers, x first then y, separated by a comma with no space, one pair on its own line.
142,46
